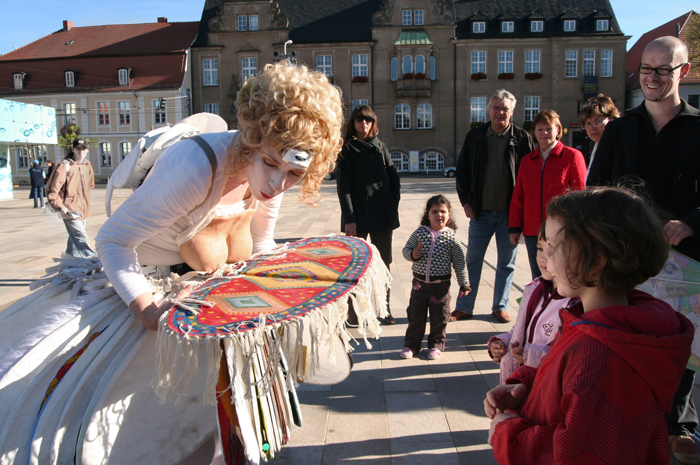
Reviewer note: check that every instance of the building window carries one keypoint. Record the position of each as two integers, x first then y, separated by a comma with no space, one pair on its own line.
70,79
589,62
570,25
505,61
19,80
606,57
431,161
103,113
69,113
211,71
532,107
105,150
358,102
123,74
242,23
406,17
507,26
478,62
249,67
433,68
694,100
536,26
124,149
420,64
394,68
532,61
478,110
23,158
324,64
407,64
124,109
479,27
400,161
602,25
39,153
424,119
571,66
159,111
418,17
402,116
359,65
253,22
212,108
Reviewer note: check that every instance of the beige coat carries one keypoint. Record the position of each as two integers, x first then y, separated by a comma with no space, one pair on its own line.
74,189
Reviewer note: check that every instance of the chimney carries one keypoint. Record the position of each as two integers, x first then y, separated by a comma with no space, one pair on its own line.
67,25
162,19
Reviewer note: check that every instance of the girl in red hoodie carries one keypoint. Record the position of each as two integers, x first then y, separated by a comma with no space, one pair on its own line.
599,395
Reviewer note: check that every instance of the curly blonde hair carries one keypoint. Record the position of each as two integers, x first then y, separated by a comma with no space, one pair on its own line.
290,107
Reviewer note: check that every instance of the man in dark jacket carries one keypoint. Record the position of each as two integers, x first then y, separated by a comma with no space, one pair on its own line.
658,143
486,171
36,176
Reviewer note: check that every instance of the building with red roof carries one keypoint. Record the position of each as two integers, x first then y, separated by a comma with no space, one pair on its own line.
116,82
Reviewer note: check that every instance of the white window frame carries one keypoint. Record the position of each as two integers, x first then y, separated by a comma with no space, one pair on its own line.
104,150
606,63
324,64
70,79
532,107
569,25
160,114
419,64
210,72
357,102
242,23
571,64
434,161
602,24
505,61
478,61
253,25
102,113
479,27
478,109
22,156
402,116
589,63
212,108
124,113
532,61
69,113
19,80
123,75
507,26
406,17
406,64
124,149
360,65
536,25
418,17
424,116
400,161
249,68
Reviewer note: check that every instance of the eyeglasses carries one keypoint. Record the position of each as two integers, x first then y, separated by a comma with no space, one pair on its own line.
595,124
659,71
359,119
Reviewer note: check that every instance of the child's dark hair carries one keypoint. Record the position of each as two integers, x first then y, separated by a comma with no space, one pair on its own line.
614,224
541,236
438,200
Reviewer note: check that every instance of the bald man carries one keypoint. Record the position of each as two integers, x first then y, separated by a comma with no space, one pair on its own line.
659,143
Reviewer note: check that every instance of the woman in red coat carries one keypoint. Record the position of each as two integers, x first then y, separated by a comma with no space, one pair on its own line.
551,170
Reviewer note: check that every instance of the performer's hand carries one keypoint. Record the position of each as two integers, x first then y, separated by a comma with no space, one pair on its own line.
351,229
514,238
469,211
517,352
148,311
676,231
499,418
497,349
417,252
503,397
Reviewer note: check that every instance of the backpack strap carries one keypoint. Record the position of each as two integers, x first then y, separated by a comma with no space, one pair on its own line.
212,161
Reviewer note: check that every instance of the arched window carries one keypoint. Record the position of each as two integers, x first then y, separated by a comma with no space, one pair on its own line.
394,69
402,116
420,64
433,68
407,64
105,150
400,161
431,161
424,118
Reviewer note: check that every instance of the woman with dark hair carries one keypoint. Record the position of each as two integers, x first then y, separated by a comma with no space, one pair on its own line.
595,115
369,188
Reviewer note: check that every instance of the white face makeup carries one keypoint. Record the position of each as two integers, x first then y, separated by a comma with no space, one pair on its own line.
269,174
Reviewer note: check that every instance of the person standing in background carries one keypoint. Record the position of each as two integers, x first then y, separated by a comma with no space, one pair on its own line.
595,115
36,176
49,169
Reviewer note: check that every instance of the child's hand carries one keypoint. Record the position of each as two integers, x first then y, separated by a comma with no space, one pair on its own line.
418,251
497,419
517,352
503,397
497,349
464,290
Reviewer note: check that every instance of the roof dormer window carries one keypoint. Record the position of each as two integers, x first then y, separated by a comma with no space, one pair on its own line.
19,80
479,27
507,26
124,74
70,78
602,25
569,25
536,26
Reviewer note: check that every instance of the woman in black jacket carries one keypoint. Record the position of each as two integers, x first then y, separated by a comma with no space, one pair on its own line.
369,188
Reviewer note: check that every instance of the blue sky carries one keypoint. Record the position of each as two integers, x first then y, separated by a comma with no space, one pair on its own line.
29,21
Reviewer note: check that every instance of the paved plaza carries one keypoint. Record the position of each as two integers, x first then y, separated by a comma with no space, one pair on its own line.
389,410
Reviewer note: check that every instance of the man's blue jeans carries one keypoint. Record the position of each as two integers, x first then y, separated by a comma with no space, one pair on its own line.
480,233
78,242
38,194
